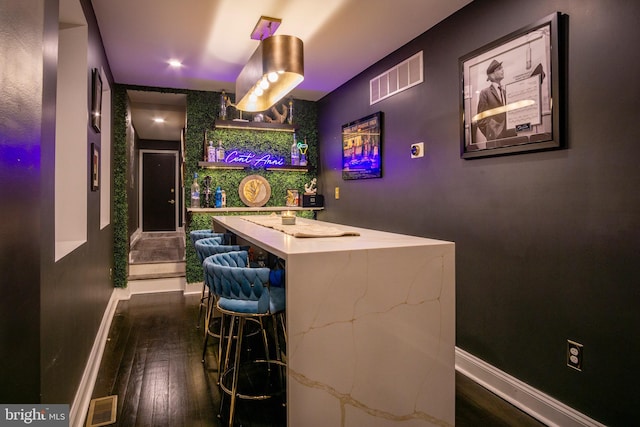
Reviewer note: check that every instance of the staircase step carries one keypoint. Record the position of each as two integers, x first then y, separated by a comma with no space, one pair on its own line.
159,270
153,276
156,284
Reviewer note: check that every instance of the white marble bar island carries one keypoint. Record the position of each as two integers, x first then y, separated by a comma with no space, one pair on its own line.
370,325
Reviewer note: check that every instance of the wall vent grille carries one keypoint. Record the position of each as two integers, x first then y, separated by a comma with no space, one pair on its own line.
406,74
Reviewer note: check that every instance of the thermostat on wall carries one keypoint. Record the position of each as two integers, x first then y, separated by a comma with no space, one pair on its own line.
417,150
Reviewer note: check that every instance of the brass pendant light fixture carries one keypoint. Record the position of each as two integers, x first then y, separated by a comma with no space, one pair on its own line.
274,69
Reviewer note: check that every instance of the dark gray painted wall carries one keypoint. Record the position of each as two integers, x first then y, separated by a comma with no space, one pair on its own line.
23,132
546,243
50,311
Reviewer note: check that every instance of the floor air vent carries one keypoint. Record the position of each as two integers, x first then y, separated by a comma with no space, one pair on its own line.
102,411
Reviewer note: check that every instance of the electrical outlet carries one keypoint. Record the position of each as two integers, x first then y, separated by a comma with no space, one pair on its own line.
574,355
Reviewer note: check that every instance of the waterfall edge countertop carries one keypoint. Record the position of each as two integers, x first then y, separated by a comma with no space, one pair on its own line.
282,244
370,325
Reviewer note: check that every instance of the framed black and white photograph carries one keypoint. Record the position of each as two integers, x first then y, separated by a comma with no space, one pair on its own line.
96,99
510,97
361,148
95,167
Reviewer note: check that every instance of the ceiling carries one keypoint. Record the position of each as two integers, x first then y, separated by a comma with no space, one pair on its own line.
212,39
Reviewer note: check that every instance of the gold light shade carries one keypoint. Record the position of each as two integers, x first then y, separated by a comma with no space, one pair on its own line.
274,69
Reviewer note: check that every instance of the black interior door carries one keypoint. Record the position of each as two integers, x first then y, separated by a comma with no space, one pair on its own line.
159,191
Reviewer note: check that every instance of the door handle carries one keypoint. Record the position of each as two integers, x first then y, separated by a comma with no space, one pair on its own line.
172,201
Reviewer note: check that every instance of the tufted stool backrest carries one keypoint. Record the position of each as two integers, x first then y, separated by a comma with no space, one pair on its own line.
211,245
221,258
196,235
234,281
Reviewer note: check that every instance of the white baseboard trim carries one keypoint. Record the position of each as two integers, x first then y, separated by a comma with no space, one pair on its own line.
135,236
193,288
528,399
80,405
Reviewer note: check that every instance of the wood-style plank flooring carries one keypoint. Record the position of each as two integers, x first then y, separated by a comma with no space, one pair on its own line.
152,361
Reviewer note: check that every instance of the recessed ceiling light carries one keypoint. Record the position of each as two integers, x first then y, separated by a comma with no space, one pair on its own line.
159,120
175,63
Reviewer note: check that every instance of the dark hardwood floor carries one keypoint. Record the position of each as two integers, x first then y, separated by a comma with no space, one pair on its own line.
152,362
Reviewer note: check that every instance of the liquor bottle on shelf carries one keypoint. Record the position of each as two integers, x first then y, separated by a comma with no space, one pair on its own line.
211,152
218,197
223,105
220,152
295,154
195,192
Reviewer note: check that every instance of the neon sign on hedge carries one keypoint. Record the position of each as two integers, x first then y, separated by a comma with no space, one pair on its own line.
253,159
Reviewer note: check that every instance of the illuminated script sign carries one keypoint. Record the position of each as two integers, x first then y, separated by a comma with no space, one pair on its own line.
253,159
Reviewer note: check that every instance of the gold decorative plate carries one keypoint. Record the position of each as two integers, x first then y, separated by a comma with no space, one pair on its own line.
254,191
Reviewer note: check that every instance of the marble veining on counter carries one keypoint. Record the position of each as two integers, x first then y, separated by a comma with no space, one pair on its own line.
371,330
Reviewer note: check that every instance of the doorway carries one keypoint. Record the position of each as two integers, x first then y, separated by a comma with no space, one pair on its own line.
158,190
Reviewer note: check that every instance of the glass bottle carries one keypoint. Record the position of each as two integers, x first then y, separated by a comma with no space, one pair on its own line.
218,197
195,192
223,106
211,152
220,152
295,154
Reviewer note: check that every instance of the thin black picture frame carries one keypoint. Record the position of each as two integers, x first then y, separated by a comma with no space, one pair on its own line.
525,114
95,167
362,148
96,100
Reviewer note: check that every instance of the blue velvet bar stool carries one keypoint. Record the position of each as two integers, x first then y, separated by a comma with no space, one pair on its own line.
195,236
243,293
207,248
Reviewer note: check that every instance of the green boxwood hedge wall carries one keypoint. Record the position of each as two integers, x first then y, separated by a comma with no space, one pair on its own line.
119,171
202,110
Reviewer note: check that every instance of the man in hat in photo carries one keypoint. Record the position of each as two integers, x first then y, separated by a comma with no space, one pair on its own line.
492,100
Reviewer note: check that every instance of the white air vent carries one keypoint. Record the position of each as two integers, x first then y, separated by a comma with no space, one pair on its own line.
102,411
403,76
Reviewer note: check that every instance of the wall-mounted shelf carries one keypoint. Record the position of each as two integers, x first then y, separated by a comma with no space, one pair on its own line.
288,168
252,209
244,209
262,126
222,165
